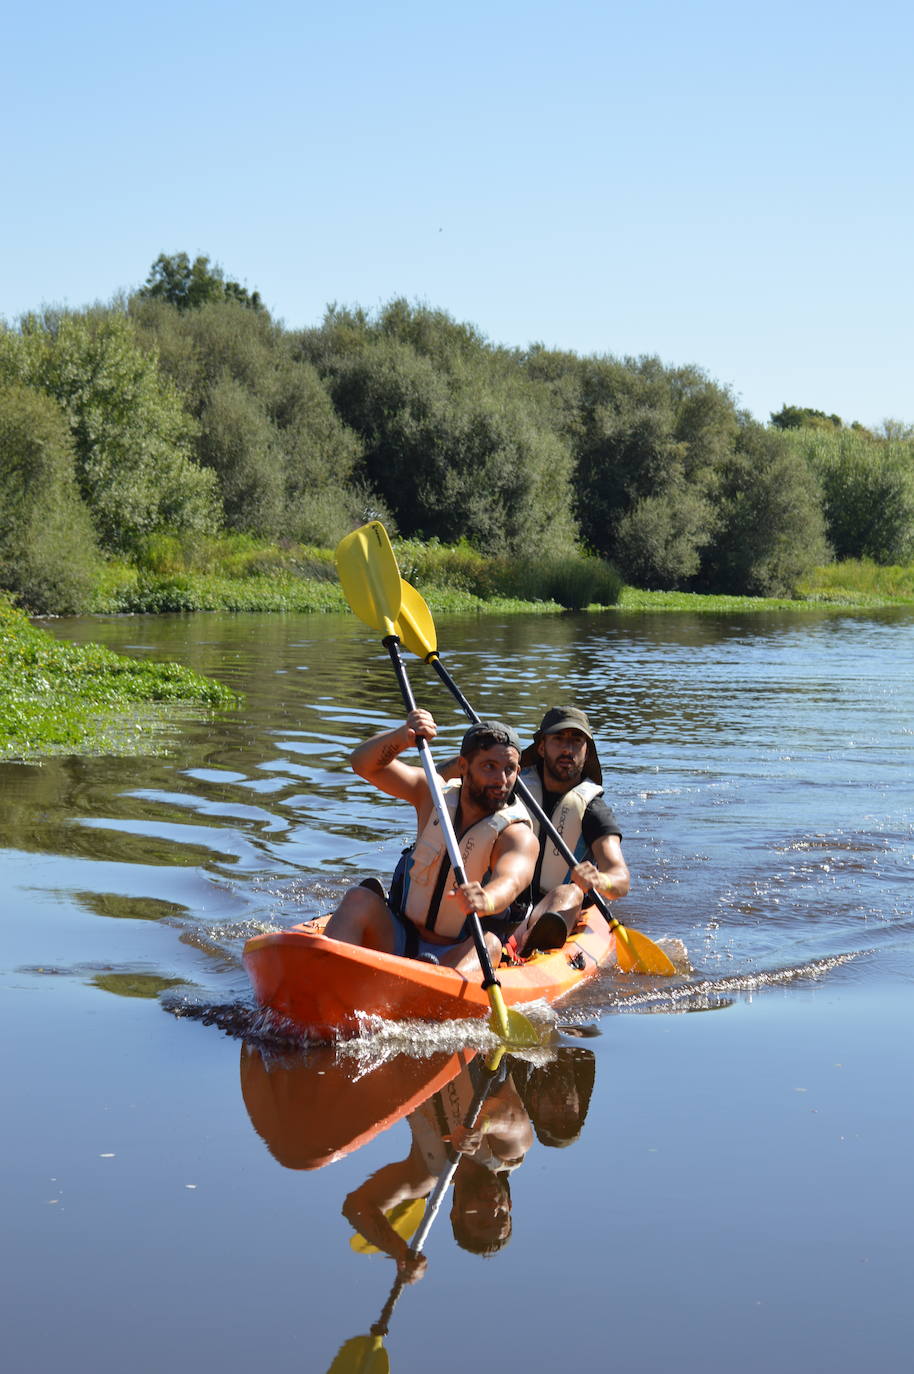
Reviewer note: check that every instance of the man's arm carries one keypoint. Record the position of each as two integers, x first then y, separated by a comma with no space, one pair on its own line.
513,861
608,873
378,759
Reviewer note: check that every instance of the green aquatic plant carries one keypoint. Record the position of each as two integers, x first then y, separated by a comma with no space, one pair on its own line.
56,696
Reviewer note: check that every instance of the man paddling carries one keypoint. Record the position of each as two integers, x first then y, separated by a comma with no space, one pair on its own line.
562,772
426,914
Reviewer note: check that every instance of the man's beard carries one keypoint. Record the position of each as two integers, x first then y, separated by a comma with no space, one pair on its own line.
570,775
484,799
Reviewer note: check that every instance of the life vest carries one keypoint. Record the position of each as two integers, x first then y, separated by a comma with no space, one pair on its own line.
422,870
432,1122
567,817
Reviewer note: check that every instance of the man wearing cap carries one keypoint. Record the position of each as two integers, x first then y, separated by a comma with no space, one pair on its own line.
425,916
561,769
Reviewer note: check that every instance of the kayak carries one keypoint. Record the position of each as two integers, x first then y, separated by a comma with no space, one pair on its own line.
325,988
310,1110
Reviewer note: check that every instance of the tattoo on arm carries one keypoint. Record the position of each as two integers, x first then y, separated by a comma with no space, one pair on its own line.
387,755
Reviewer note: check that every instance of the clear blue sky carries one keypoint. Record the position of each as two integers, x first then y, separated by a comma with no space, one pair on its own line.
727,184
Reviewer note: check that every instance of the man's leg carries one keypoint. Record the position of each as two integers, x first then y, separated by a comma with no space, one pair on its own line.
363,918
562,902
464,959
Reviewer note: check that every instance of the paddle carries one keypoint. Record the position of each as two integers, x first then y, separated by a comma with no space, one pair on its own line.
416,628
371,582
366,1354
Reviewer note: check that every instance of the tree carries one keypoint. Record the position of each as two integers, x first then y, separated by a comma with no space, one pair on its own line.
868,492
650,442
455,439
130,431
188,285
771,523
48,555
796,417
266,422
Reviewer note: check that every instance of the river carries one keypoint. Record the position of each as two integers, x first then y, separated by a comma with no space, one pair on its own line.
700,1192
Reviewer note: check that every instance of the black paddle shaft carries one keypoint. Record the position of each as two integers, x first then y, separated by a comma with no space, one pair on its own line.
522,790
392,645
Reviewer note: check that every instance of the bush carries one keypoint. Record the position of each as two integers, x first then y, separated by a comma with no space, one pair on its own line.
868,490
130,432
772,524
48,555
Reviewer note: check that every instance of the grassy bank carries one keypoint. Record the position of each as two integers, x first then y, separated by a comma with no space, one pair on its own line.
62,698
238,573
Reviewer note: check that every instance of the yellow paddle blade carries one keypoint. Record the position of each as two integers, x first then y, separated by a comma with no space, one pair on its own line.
415,626
404,1217
637,954
369,576
361,1355
511,1026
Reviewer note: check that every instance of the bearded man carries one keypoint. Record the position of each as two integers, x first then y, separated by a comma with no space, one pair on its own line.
426,914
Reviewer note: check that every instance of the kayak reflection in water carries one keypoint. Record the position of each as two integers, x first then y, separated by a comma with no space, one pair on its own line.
488,1150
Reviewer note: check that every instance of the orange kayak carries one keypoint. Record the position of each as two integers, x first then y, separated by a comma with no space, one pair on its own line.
323,987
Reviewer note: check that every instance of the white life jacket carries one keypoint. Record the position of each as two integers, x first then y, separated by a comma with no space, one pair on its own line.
567,818
432,1122
423,864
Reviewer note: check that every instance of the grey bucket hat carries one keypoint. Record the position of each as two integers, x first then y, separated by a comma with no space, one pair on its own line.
565,718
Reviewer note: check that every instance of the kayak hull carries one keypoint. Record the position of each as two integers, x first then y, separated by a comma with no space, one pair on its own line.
325,988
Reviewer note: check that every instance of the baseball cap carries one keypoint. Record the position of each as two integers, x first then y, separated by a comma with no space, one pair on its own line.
486,733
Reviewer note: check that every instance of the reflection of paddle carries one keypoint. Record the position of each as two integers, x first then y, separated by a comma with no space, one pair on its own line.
416,628
404,1218
366,1354
371,581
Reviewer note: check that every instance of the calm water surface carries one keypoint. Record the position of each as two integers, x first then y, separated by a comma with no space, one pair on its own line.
700,1191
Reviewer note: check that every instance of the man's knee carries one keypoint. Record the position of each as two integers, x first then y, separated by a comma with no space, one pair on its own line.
568,897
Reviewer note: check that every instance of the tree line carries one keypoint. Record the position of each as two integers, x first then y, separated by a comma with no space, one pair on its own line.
185,407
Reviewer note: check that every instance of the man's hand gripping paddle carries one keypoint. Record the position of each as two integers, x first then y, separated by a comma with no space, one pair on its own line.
371,581
416,629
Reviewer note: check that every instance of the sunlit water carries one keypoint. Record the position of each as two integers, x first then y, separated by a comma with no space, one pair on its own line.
737,1174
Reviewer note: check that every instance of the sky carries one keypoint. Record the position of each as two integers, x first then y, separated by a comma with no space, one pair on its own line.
729,185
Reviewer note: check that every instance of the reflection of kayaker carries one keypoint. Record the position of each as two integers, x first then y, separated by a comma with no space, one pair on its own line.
484,1152
556,1095
310,1111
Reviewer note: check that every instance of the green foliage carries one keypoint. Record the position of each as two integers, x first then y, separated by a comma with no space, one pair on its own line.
187,285
772,526
659,540
194,417
266,424
868,489
796,417
572,580
130,432
453,434
48,555
650,442
859,581
55,695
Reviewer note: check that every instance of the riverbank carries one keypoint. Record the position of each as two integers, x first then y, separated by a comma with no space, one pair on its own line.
57,697
236,573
